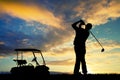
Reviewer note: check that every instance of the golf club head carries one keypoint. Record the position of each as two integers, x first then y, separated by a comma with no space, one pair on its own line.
102,50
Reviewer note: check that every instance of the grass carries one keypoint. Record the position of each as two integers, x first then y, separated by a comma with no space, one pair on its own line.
61,77
86,77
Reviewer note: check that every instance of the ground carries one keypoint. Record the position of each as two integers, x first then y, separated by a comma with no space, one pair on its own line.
61,77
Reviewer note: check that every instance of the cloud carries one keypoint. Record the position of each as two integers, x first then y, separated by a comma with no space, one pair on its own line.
61,62
2,43
48,35
19,34
31,12
96,61
39,24
109,45
98,12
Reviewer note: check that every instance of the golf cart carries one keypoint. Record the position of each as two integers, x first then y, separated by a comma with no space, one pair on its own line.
25,68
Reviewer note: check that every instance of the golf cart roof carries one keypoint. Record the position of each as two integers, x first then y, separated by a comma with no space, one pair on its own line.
28,49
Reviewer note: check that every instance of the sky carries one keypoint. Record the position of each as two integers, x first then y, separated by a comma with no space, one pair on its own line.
46,25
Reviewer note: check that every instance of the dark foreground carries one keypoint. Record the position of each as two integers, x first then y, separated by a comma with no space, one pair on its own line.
61,77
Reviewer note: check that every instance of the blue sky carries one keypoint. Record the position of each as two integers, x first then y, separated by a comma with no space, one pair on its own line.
46,25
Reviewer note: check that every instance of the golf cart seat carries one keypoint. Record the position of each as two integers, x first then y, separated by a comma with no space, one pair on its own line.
20,62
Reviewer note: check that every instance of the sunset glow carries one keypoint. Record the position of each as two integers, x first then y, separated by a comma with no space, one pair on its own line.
46,25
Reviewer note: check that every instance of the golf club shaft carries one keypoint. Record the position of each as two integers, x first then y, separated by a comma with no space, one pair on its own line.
96,39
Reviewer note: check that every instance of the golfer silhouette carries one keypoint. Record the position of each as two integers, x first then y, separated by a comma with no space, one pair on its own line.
79,45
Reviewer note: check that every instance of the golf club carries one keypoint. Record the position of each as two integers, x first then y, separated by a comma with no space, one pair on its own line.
102,50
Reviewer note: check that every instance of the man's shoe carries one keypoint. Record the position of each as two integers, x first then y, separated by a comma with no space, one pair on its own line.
85,74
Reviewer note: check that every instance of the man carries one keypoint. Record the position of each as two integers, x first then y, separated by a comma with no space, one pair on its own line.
79,45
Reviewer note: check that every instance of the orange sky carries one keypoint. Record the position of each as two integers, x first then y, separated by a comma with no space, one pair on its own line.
51,24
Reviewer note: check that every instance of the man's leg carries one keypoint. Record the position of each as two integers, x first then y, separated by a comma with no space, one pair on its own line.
77,66
84,68
77,62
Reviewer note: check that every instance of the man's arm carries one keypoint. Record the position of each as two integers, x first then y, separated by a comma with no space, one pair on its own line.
74,25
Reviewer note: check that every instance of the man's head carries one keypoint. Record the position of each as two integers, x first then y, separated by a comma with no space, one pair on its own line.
88,26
